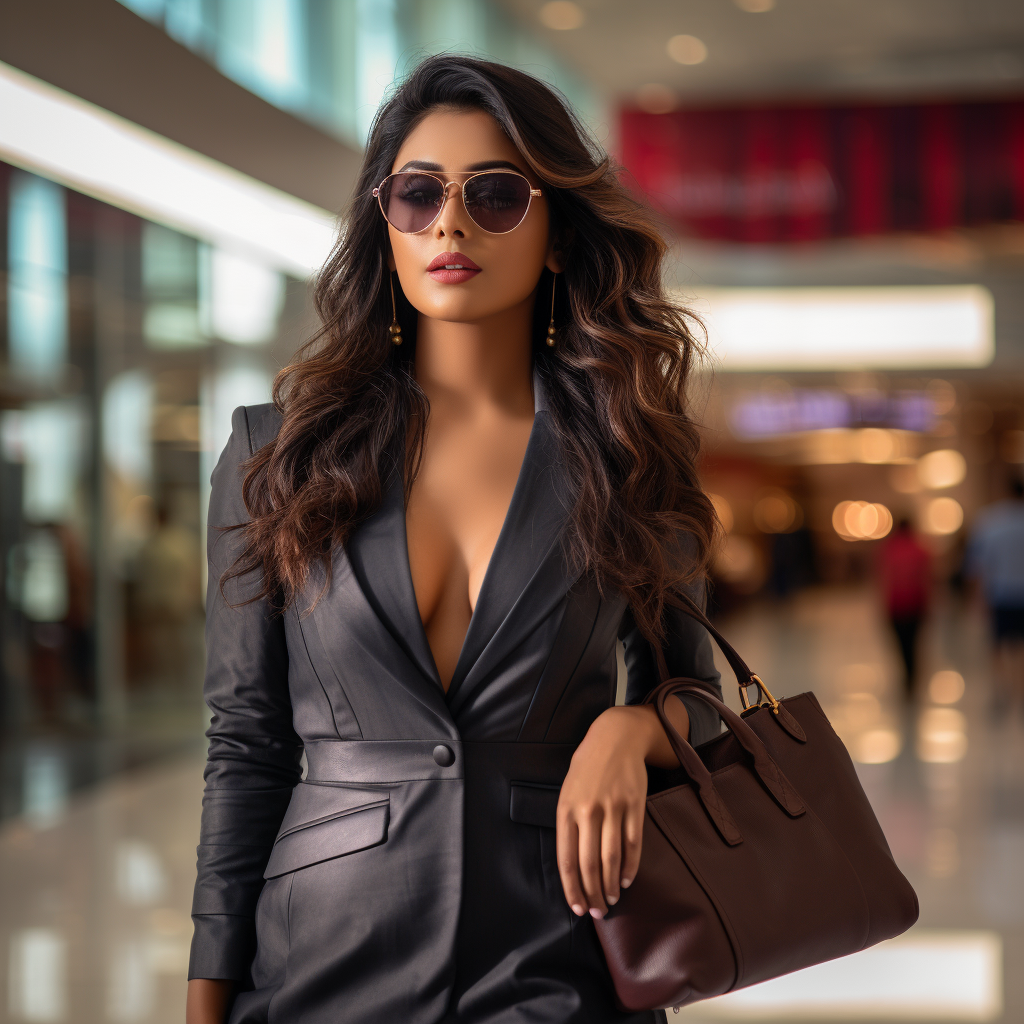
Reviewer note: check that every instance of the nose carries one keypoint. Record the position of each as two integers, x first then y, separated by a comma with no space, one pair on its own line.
452,221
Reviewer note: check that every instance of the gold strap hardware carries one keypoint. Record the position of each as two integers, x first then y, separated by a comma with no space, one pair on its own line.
770,702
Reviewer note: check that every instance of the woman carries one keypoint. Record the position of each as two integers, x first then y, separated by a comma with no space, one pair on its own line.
480,475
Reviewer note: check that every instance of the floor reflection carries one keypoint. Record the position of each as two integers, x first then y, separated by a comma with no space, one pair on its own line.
95,899
95,884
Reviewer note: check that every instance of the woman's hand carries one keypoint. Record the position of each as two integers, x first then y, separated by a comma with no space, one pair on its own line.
207,1001
601,806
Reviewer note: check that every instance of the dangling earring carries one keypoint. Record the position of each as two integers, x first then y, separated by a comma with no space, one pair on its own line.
551,325
396,328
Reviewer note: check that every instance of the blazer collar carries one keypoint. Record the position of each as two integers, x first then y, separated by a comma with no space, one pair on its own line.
528,549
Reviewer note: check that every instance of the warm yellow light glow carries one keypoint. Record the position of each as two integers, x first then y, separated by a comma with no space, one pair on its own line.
686,49
777,512
921,326
861,520
739,563
941,469
877,746
941,736
942,516
946,686
561,15
756,6
858,678
724,511
875,445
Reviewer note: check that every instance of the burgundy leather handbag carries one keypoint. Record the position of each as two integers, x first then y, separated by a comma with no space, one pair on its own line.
761,854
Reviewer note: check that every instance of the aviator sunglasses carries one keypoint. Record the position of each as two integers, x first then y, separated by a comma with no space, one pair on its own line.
496,201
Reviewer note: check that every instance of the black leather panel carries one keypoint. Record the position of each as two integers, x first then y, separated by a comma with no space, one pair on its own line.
326,837
532,804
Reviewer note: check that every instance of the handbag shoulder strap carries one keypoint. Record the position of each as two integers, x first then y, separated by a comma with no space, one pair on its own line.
744,677
686,604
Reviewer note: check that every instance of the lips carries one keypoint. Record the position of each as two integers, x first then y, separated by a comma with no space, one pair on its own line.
452,268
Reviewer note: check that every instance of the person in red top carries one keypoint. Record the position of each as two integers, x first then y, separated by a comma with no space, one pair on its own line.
905,571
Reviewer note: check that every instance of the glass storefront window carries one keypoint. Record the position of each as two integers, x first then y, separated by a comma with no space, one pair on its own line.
124,347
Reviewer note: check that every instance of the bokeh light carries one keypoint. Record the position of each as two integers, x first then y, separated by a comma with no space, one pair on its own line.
861,520
941,736
942,516
684,49
724,512
561,15
776,512
946,687
941,469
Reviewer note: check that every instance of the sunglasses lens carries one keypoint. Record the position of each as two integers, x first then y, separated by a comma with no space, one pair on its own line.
498,200
411,200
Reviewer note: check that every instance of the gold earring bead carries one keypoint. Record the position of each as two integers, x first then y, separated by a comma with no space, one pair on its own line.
396,328
551,325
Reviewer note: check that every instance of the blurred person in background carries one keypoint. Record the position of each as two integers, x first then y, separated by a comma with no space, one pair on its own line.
995,560
430,614
905,572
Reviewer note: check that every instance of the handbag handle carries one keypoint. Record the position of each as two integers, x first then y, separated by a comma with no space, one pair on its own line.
697,771
768,771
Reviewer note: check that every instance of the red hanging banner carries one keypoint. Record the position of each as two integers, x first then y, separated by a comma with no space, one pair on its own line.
771,174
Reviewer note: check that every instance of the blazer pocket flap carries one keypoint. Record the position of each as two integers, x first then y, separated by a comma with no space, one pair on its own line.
533,803
329,836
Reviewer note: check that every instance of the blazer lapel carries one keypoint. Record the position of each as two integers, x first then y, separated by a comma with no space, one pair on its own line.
526,577
379,556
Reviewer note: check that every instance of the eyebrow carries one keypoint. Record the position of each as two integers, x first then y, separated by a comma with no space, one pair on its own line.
484,165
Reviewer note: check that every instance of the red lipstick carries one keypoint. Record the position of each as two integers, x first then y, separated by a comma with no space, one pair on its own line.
452,268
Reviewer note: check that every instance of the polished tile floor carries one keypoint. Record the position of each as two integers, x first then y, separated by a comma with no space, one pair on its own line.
95,887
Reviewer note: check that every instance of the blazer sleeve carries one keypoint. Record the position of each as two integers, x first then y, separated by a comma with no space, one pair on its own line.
254,754
688,652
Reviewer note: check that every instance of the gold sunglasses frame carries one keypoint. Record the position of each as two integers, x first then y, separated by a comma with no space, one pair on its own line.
462,187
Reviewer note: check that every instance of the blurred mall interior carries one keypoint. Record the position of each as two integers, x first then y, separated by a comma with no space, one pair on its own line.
842,184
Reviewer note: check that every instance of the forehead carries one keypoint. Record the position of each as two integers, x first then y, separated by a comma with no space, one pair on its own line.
456,140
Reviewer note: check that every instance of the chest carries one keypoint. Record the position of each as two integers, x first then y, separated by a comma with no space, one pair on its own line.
457,507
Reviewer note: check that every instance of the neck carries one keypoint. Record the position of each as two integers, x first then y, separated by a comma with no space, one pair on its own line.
471,367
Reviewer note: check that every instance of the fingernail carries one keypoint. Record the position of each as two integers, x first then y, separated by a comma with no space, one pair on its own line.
626,883
596,914
611,900
577,910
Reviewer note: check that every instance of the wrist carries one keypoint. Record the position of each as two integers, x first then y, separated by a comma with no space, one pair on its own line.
634,726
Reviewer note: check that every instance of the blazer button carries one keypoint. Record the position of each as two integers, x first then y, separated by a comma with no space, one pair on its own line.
444,756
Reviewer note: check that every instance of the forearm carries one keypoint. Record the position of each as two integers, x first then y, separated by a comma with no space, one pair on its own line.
643,722
206,1001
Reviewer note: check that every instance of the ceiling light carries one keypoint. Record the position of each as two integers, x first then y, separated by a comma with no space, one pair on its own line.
687,50
755,6
48,131
561,15
888,327
655,98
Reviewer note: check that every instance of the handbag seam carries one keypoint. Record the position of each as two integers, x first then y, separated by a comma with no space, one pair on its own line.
664,826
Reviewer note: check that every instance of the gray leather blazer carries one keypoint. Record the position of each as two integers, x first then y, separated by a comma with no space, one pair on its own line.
410,875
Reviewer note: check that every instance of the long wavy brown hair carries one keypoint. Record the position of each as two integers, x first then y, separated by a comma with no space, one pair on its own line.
639,521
